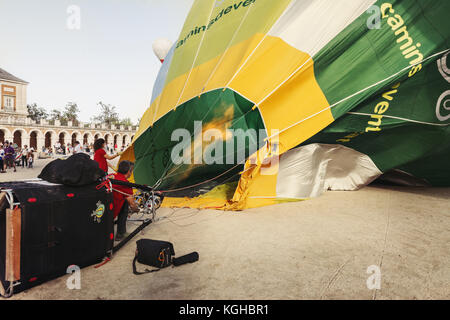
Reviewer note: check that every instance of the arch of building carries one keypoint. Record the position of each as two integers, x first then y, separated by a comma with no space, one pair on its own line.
117,141
41,138
50,138
20,137
64,137
97,135
125,140
109,140
76,136
88,138
35,138
5,135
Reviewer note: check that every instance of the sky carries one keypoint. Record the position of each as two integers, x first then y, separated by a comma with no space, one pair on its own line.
104,53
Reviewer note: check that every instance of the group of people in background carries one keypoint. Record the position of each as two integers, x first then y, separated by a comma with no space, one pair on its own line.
62,149
12,156
77,147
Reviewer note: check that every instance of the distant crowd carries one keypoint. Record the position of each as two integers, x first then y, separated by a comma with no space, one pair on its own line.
77,147
12,156
62,149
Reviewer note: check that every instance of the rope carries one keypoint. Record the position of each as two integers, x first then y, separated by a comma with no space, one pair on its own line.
254,50
106,184
198,184
313,115
236,73
267,96
282,83
158,183
227,85
228,47
403,119
105,261
196,56
164,176
124,193
193,63
356,93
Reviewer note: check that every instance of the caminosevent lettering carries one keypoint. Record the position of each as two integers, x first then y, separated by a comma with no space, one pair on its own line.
381,108
197,30
409,51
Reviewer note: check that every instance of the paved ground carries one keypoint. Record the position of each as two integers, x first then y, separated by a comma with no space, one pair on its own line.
24,173
317,249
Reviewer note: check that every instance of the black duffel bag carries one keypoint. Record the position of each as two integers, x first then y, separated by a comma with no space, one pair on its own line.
77,170
159,254
154,253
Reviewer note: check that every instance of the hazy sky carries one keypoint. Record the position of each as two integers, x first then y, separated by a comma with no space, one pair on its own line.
109,59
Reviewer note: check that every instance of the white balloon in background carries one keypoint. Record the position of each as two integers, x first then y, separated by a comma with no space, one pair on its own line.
161,48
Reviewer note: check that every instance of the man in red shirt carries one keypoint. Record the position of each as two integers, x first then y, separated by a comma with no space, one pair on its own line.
123,198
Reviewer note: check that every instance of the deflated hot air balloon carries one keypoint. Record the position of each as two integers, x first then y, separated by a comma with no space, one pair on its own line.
260,102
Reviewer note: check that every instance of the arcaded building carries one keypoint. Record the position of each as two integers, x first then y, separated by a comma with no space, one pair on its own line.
17,127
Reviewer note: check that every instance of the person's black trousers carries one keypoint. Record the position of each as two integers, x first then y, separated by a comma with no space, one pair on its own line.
122,219
24,162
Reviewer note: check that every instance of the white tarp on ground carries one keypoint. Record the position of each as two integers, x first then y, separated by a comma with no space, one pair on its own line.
308,171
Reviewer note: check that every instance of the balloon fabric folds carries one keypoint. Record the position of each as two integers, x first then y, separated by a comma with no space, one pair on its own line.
260,101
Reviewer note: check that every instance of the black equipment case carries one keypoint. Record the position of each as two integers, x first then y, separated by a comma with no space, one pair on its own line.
45,228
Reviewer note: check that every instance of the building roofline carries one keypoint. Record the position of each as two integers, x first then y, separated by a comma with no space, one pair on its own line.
6,76
15,81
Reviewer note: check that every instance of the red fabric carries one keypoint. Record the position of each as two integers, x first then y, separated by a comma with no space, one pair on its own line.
99,156
119,198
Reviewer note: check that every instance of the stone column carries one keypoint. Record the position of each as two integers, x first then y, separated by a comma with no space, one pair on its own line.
25,139
40,141
9,136
55,138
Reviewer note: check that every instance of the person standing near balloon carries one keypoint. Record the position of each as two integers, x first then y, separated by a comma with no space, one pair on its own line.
101,156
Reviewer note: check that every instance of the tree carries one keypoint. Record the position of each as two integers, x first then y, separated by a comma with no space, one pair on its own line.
36,113
125,122
107,114
55,114
70,113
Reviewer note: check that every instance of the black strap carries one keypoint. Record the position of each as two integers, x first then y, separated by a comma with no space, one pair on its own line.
132,235
131,185
139,273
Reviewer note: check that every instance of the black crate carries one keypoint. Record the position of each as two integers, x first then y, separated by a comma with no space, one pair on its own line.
60,226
